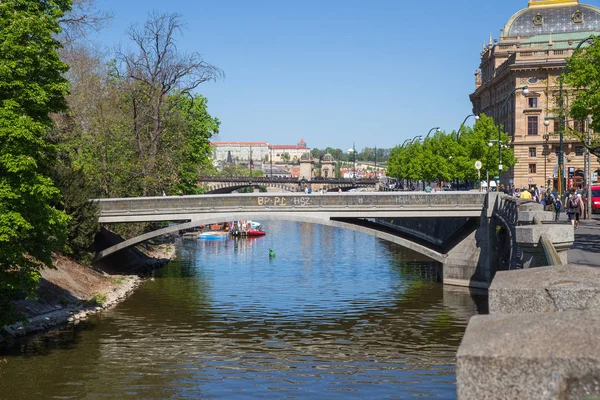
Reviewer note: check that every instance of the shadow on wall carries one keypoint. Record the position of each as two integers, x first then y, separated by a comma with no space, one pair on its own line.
130,261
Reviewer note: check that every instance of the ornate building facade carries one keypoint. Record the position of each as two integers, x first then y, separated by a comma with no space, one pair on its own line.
531,51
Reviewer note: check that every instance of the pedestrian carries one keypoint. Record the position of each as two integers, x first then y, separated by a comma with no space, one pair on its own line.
574,207
548,201
526,194
164,194
339,190
557,208
180,192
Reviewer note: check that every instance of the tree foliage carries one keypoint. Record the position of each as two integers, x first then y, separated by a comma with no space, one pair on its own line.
158,79
444,157
583,77
31,87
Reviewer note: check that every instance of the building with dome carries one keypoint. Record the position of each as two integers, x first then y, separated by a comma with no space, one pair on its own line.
531,51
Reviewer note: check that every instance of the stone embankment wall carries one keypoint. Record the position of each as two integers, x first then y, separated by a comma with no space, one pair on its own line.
71,292
541,339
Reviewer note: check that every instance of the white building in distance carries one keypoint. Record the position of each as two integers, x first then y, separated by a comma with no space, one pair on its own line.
244,152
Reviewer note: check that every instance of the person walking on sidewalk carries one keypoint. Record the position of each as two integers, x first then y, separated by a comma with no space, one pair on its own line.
574,207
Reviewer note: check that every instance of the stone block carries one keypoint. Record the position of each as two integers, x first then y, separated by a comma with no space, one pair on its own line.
545,289
559,234
526,217
551,356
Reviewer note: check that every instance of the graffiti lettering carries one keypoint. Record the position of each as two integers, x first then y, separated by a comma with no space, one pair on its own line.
283,201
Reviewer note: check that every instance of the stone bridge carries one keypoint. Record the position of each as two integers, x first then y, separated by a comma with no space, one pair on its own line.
370,212
217,185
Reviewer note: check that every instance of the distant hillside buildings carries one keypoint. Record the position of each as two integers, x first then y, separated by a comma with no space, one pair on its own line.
257,152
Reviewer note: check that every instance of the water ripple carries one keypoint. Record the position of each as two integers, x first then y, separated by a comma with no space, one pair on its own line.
336,314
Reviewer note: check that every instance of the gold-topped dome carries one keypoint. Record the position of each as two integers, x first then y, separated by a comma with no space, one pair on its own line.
550,3
553,16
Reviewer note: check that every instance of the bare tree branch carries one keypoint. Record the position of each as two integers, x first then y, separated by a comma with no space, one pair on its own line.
159,75
83,18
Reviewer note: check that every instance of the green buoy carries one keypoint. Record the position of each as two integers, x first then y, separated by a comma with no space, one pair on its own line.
271,253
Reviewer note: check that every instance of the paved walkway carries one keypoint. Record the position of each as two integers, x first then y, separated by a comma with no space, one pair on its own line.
586,249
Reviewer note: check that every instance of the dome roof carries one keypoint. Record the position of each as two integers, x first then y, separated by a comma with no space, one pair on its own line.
546,16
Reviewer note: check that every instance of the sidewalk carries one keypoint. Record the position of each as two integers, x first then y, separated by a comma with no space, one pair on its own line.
586,248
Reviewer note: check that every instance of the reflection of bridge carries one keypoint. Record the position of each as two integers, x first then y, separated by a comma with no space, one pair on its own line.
371,213
217,184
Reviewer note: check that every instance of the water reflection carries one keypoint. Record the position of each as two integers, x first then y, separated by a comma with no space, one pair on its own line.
336,314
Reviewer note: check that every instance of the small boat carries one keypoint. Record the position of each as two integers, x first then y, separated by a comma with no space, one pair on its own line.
213,235
190,235
255,232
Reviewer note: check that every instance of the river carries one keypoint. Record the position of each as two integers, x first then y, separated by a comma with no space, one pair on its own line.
335,314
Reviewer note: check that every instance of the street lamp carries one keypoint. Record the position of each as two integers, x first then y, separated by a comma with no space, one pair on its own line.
404,144
546,152
524,89
561,155
437,129
250,161
375,162
463,123
416,138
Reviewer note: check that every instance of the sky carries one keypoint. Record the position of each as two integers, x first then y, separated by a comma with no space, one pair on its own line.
335,73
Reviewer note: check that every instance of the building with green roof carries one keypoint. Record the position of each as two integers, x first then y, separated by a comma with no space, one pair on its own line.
531,51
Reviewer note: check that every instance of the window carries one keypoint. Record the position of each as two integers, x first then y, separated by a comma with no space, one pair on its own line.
557,151
579,150
533,102
556,125
532,152
578,126
532,125
532,169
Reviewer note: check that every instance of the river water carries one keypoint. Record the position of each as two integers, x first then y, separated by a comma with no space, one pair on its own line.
335,314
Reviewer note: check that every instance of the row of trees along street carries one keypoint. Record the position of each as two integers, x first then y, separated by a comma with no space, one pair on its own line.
78,123
444,157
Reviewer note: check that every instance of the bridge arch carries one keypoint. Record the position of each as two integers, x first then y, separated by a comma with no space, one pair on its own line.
314,218
229,187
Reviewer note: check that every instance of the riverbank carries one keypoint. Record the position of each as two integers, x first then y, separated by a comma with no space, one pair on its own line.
71,292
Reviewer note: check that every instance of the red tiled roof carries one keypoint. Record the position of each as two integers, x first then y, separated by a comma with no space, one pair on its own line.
290,146
239,143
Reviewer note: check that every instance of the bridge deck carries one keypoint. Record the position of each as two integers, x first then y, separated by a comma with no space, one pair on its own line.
350,205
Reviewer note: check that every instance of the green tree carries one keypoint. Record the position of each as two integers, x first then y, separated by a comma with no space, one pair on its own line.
194,127
31,86
583,75
158,78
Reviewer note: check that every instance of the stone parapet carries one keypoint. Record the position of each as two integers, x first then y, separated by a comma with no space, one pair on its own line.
530,356
545,289
528,238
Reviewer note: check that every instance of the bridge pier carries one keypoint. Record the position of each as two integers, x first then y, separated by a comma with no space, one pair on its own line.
471,261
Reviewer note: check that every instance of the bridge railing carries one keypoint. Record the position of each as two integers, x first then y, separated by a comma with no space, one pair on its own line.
267,179
293,201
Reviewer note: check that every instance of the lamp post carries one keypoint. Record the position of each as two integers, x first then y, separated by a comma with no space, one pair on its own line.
250,161
561,155
463,124
375,162
271,160
404,144
545,151
418,137
437,128
524,89
588,206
